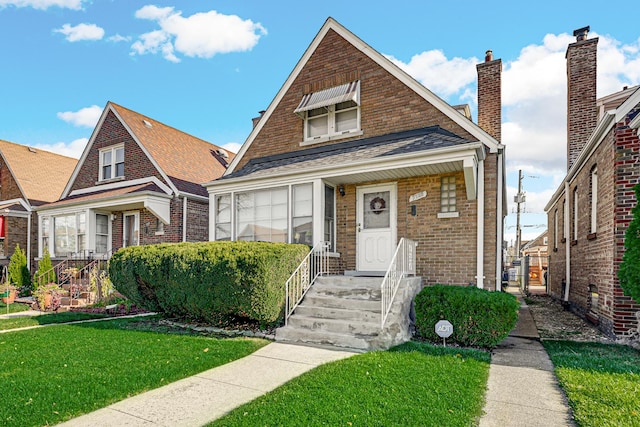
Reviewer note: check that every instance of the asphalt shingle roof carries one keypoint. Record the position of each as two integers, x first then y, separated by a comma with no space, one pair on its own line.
400,143
42,175
104,194
188,161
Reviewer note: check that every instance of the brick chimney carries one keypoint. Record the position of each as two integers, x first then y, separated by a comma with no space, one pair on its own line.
582,112
490,95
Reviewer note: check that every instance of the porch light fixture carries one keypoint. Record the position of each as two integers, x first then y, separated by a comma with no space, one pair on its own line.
341,190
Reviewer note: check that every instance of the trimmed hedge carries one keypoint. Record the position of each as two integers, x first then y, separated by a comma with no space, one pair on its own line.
480,318
209,281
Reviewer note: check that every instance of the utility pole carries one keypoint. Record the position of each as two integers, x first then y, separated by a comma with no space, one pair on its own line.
519,199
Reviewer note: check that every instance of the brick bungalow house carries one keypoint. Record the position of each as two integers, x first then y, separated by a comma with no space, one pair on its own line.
29,177
354,151
590,212
136,183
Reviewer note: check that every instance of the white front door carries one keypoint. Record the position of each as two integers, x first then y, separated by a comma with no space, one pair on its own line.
376,213
131,232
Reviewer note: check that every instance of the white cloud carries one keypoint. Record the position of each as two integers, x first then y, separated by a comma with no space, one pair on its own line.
86,117
441,75
81,32
44,4
72,149
233,147
535,98
118,38
200,35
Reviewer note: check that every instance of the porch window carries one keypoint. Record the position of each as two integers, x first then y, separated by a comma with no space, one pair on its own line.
262,215
329,216
45,232
102,233
448,194
69,233
331,112
223,217
111,162
303,214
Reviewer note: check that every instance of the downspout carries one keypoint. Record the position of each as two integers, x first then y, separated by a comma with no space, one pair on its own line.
480,234
567,243
184,219
29,242
499,223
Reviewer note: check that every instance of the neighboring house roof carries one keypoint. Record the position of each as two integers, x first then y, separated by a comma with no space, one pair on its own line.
627,100
107,194
351,152
537,242
184,160
332,25
41,175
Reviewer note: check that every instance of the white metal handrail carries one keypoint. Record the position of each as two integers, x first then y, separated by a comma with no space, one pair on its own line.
402,264
315,264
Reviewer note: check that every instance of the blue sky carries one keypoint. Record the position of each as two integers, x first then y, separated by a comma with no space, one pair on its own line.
208,67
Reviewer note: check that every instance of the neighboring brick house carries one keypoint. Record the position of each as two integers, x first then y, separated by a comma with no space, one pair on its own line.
137,183
354,151
29,177
590,212
537,252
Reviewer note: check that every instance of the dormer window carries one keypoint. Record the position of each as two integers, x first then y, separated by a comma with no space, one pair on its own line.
112,162
331,113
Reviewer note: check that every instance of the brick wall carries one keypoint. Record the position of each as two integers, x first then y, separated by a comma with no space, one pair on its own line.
582,112
557,255
387,105
446,251
197,221
136,163
596,257
627,173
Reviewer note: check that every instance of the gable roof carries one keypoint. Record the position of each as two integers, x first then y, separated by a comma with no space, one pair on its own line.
184,161
41,175
383,62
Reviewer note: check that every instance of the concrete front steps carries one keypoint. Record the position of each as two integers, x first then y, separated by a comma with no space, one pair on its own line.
345,312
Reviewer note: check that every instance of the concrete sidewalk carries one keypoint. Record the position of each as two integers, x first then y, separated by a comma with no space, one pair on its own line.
522,388
197,400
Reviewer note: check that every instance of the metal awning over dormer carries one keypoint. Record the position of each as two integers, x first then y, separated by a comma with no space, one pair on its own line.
335,95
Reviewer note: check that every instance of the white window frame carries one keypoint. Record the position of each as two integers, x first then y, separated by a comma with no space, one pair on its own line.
594,200
555,229
113,149
575,214
136,227
331,113
95,232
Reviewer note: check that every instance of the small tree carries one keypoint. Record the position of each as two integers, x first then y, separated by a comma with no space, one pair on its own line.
18,271
45,269
629,273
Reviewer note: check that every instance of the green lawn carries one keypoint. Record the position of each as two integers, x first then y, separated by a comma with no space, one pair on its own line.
414,384
13,308
46,319
49,375
602,382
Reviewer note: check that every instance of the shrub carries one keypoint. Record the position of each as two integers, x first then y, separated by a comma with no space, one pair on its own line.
18,271
480,318
629,272
45,266
209,281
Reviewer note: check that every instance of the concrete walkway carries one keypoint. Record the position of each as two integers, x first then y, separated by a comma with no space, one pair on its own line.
197,400
522,388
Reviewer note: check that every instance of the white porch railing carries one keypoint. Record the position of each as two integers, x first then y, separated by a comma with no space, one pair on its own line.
315,264
402,264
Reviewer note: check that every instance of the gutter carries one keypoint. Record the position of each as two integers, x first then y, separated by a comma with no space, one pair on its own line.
184,219
499,220
567,243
